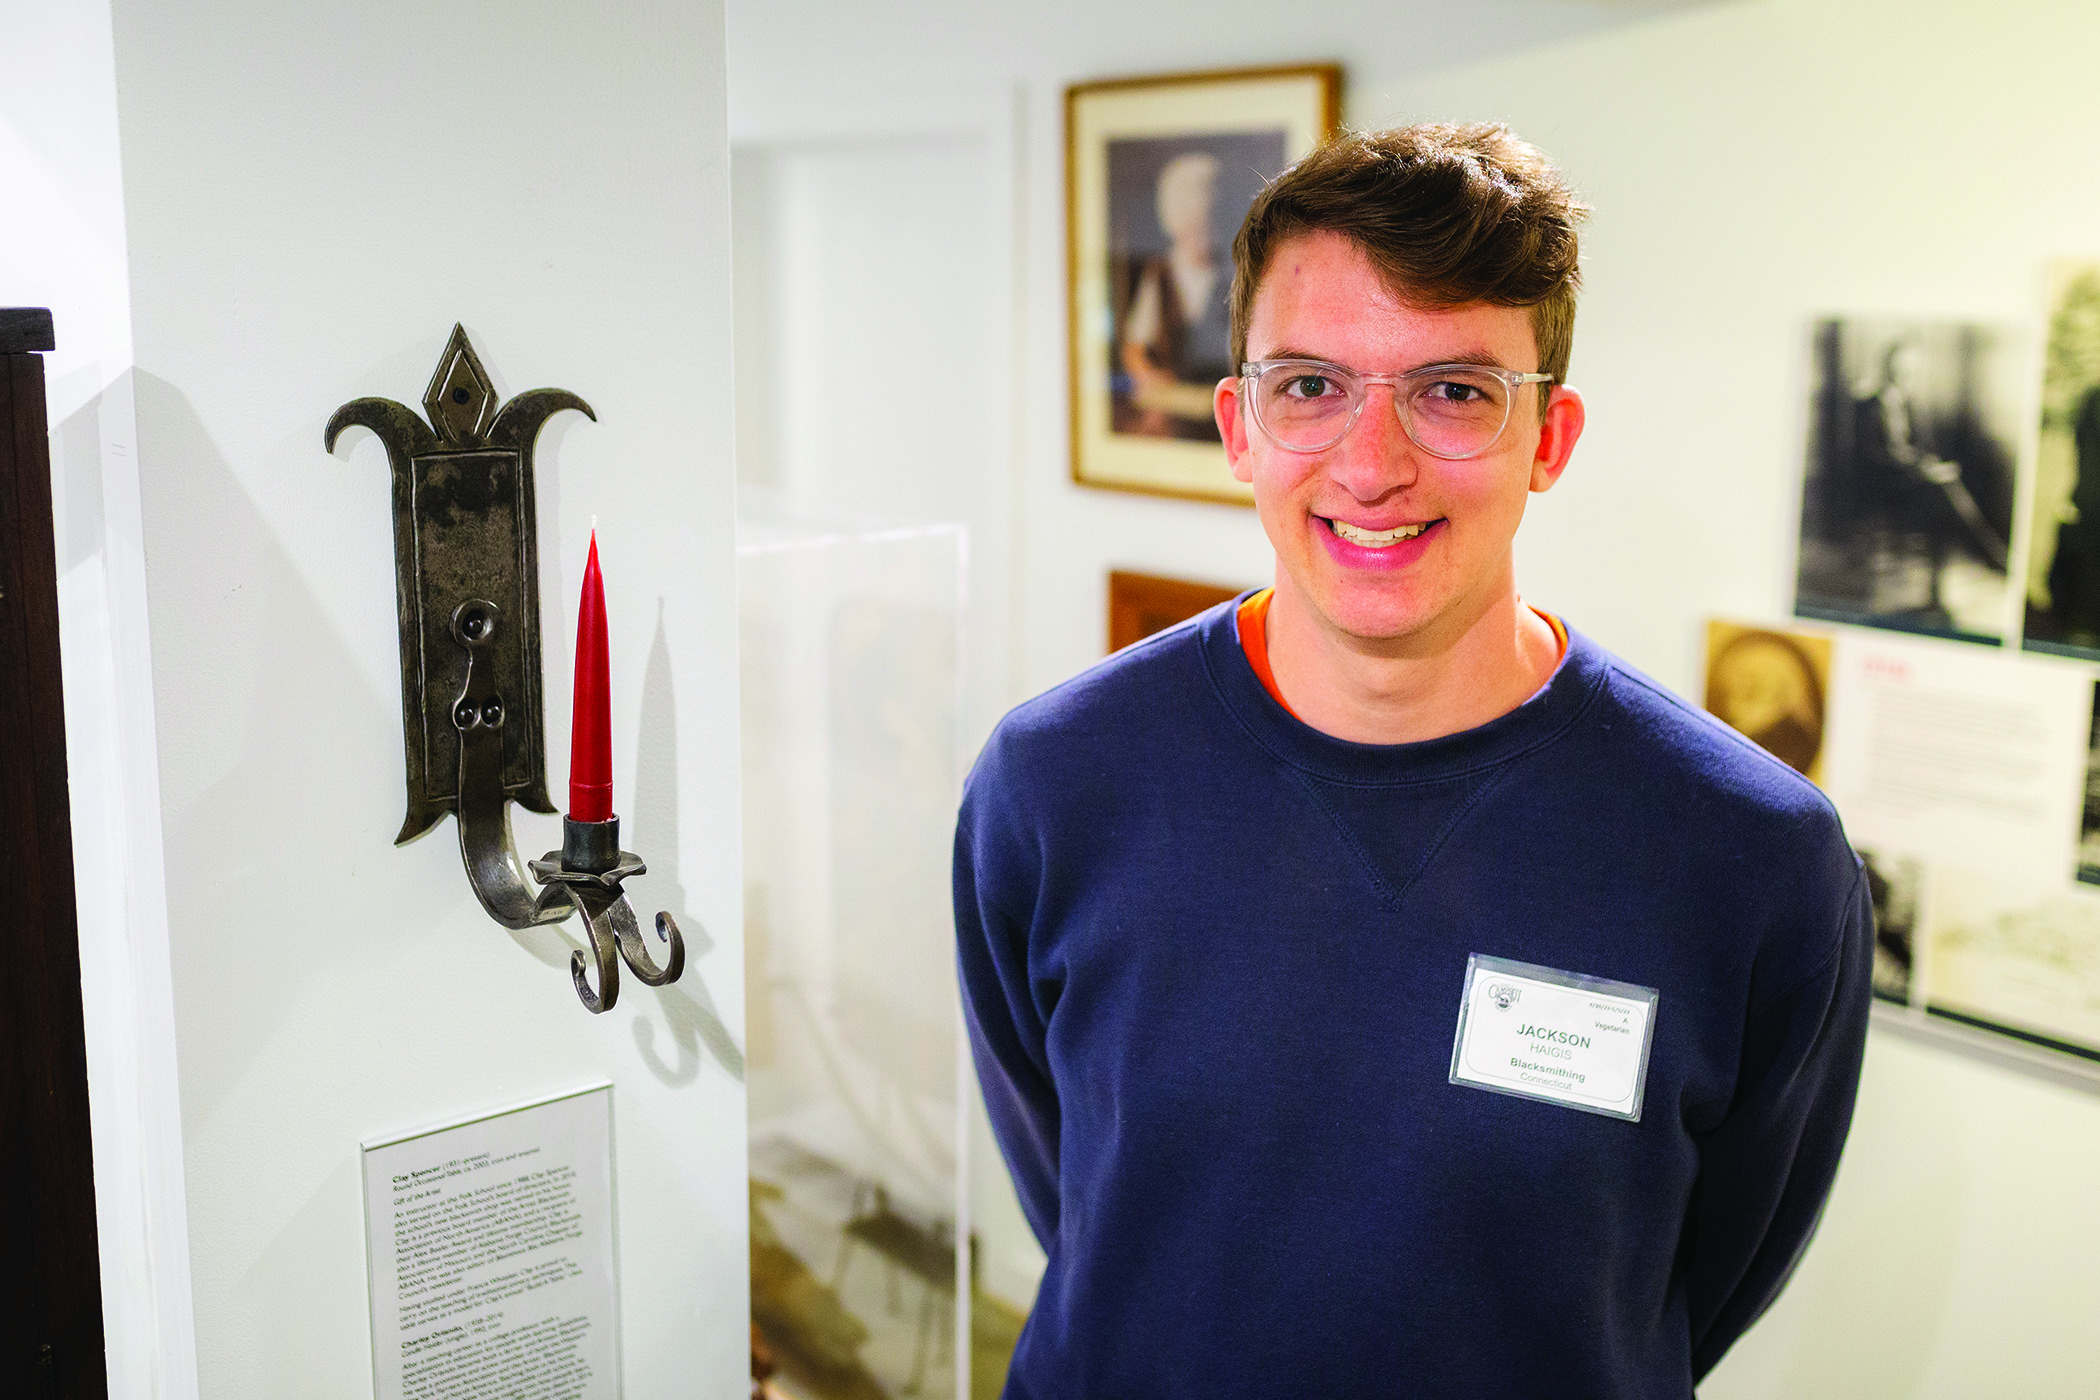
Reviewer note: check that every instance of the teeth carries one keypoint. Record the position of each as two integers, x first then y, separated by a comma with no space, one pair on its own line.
1375,539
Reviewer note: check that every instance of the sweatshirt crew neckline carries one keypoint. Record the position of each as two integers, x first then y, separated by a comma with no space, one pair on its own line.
1541,719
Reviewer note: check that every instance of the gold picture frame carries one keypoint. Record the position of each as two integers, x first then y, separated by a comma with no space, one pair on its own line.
1145,306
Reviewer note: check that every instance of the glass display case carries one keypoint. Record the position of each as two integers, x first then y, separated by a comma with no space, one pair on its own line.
851,684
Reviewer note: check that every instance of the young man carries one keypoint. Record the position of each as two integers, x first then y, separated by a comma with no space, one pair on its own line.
1378,989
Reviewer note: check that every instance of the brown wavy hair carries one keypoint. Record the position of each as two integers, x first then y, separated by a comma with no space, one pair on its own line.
1448,214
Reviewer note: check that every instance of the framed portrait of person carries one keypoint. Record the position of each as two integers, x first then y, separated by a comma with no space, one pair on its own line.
1159,172
1772,686
2063,551
1907,502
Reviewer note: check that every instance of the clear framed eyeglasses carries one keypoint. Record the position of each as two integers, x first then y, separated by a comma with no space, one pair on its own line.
1450,411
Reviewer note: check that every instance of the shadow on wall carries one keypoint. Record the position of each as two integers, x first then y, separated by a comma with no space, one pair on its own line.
76,483
651,829
258,703
689,1011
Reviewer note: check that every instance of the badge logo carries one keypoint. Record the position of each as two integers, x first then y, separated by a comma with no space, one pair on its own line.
1503,995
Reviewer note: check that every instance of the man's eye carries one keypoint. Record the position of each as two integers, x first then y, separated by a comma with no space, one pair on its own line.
1455,391
1308,386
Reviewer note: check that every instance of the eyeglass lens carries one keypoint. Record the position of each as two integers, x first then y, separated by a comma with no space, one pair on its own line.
1449,411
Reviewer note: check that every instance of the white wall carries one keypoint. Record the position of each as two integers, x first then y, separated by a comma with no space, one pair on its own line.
1753,165
313,194
874,379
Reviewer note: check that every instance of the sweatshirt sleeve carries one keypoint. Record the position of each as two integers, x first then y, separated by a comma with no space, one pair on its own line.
996,877
1766,1169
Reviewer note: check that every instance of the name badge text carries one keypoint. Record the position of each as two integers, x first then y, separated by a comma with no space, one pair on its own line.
1540,1033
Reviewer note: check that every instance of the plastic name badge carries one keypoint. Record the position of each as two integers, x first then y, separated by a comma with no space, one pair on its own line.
1540,1033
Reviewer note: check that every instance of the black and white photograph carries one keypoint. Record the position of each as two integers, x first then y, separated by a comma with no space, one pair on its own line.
1896,884
2005,953
2089,824
1907,504
2063,565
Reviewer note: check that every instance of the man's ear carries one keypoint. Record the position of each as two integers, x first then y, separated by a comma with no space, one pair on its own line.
1232,427
1557,434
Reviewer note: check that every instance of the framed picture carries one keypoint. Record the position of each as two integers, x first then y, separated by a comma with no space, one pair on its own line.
1772,686
1158,175
2063,550
1907,504
1141,604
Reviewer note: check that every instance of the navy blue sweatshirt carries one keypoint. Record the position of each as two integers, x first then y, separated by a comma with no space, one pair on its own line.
1212,962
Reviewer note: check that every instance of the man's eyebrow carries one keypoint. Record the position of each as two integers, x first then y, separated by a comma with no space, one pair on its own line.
1483,358
1486,359
1290,352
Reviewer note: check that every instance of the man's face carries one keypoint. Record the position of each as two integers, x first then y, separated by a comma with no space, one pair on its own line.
1321,299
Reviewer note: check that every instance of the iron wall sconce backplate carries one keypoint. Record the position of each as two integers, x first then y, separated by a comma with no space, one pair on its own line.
466,589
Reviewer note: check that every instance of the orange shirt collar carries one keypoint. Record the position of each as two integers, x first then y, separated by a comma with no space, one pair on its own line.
1254,641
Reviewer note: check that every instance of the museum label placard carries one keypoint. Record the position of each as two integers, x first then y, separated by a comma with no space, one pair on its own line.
489,1249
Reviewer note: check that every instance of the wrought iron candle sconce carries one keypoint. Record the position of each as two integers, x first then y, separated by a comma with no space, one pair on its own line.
466,589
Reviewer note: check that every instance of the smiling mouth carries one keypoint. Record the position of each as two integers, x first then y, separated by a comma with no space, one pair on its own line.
1376,539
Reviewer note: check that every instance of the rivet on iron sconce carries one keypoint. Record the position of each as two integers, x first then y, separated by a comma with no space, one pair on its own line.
466,586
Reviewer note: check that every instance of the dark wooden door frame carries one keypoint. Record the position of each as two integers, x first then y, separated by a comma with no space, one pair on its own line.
50,1273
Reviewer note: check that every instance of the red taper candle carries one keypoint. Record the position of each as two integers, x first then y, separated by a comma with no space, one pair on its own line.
590,727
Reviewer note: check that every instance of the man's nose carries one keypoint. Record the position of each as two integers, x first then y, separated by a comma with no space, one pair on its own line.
1377,456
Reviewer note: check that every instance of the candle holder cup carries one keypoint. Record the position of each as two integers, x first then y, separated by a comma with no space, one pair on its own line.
466,576
587,872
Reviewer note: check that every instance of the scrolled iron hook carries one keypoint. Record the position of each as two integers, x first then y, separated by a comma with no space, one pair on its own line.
636,952
586,876
598,919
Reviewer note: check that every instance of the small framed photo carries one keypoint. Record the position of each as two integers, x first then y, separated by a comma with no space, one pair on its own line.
1159,172
1772,686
